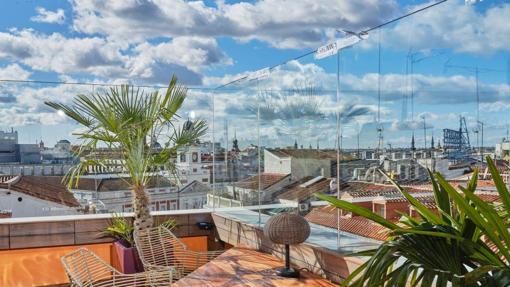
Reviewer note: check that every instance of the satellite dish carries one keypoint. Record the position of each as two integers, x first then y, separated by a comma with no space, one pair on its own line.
332,186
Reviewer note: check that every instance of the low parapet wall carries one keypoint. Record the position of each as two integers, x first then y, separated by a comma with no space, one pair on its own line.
317,259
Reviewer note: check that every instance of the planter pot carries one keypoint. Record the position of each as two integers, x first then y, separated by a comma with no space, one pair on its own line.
128,259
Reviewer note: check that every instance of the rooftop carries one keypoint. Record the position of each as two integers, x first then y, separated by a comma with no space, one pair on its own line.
48,188
308,154
266,180
114,183
327,216
300,190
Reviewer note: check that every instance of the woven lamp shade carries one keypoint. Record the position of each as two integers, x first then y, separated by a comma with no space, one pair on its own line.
287,228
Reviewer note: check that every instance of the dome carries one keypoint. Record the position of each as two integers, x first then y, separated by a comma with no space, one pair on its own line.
188,125
64,141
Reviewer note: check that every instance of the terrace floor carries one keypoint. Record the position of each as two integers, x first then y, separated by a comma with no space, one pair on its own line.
247,267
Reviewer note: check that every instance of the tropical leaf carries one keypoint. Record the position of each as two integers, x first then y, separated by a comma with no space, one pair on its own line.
446,249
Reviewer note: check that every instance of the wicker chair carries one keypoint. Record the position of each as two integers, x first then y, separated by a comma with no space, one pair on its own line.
86,269
159,248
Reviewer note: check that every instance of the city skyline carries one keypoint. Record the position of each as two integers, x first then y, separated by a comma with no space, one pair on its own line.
440,77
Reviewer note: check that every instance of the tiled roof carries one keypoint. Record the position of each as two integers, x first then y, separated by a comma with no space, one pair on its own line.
308,153
48,188
327,216
5,178
194,186
489,197
266,180
297,192
117,183
359,189
428,201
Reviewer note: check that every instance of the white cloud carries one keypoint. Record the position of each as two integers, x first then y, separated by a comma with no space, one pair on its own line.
45,16
60,54
14,71
453,25
284,24
428,89
188,56
185,56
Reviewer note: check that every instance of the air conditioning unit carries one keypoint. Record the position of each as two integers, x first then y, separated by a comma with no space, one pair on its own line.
304,207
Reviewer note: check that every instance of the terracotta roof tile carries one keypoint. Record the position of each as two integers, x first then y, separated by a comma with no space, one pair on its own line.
116,183
358,189
266,180
297,192
327,216
48,188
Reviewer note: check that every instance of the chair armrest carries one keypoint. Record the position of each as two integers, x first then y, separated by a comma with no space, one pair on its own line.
160,277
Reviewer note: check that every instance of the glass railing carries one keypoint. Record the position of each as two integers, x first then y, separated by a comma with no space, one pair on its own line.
278,135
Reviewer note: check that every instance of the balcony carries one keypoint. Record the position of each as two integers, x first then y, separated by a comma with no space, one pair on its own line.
31,247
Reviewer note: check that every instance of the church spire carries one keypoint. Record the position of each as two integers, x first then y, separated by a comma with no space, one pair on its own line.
295,144
235,143
432,143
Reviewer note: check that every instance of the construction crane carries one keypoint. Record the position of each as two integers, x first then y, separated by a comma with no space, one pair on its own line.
412,59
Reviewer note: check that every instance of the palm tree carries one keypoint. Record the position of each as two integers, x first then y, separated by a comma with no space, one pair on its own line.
465,242
127,121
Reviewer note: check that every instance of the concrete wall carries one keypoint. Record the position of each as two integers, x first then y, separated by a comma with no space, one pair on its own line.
302,167
51,231
30,251
274,164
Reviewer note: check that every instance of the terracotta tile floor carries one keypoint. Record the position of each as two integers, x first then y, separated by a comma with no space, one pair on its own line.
246,267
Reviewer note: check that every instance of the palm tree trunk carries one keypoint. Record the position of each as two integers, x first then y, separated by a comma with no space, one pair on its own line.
141,204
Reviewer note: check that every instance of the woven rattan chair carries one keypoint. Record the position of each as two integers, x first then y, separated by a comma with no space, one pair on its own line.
159,248
86,269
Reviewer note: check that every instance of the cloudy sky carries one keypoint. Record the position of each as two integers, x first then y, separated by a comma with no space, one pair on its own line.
427,65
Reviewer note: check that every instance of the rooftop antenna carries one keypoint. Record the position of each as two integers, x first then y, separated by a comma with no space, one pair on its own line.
379,126
412,58
424,132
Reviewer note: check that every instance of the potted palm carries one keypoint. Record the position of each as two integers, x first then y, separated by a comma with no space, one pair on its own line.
121,230
464,242
127,121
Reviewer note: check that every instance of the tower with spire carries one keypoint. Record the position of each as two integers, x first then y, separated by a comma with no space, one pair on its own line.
432,143
295,144
235,143
413,148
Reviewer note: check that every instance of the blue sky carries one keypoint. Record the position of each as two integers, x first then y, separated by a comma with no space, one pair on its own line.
208,43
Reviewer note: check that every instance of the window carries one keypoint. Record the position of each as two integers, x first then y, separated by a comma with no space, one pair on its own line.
205,180
194,157
184,181
173,205
379,209
194,170
183,157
